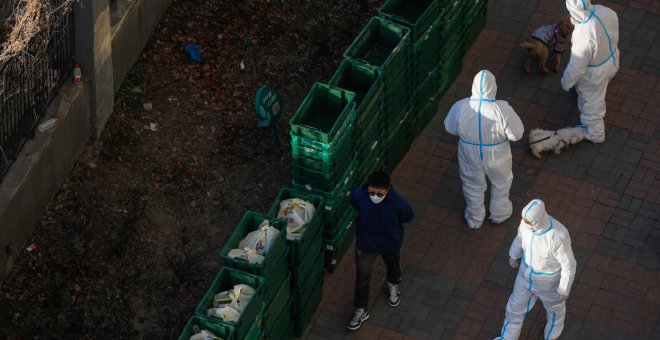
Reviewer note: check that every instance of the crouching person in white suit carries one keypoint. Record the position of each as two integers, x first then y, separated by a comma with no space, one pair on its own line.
546,273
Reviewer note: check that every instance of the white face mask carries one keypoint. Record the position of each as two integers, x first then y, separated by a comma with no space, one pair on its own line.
376,199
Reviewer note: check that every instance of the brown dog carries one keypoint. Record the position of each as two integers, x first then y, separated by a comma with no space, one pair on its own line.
555,36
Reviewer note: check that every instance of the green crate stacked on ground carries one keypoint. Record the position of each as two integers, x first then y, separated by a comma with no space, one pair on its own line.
278,308
322,130
221,330
308,301
306,256
475,21
226,279
273,269
421,17
336,247
386,45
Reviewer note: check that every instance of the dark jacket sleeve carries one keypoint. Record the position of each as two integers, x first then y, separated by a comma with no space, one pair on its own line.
406,213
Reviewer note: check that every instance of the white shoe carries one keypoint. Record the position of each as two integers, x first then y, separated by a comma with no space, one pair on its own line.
394,296
361,315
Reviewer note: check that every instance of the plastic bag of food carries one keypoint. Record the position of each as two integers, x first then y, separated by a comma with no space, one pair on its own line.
238,297
297,212
203,334
225,312
261,239
247,254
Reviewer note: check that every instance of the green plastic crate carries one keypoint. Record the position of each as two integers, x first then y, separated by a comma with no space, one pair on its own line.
331,231
317,182
302,296
275,280
305,168
250,222
337,247
417,15
309,267
283,327
301,319
475,23
254,332
278,306
225,331
298,248
365,82
381,43
323,112
226,279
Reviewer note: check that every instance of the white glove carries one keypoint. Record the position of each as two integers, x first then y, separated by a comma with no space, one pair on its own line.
513,262
562,297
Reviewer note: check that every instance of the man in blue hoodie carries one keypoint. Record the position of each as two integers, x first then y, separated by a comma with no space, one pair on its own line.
379,232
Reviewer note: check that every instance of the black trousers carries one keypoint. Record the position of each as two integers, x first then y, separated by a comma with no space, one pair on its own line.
364,263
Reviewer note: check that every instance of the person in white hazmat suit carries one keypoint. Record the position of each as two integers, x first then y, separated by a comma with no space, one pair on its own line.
594,62
547,271
485,127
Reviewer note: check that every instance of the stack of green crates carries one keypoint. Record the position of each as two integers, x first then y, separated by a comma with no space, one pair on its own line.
420,16
475,20
273,269
245,327
305,264
336,247
386,46
223,331
366,82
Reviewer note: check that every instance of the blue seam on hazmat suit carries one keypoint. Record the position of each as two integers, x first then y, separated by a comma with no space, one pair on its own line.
552,325
592,13
481,99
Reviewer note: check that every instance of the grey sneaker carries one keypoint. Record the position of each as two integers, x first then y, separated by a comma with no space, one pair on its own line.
394,296
361,315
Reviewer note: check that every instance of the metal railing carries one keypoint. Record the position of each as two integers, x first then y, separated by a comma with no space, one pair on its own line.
30,80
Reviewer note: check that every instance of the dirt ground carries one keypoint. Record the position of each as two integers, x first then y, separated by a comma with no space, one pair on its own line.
131,242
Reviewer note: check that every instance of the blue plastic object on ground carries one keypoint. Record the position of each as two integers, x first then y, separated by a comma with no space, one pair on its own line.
194,52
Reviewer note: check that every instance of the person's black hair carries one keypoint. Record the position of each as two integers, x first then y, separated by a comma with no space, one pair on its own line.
379,179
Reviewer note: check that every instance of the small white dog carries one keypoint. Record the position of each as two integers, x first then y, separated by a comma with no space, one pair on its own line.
555,141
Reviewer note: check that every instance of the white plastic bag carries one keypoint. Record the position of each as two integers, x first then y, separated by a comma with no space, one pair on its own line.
247,254
261,239
238,297
297,212
226,313
203,334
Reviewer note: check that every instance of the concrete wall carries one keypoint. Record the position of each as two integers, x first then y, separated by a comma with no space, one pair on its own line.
131,32
108,43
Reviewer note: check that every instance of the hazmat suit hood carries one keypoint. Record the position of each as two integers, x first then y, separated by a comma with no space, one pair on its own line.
580,10
484,85
536,214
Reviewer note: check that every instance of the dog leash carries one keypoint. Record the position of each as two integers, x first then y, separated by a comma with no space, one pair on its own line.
531,143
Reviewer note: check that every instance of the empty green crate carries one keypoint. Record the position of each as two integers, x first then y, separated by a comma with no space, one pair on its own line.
417,15
381,43
323,112
249,223
282,328
450,71
306,168
365,82
300,320
224,331
331,231
298,248
278,306
226,280
326,190
475,23
318,182
309,267
451,10
337,247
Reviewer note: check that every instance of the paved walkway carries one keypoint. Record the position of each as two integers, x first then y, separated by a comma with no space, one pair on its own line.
457,281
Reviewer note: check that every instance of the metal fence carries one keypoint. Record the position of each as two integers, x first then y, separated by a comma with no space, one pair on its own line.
29,80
